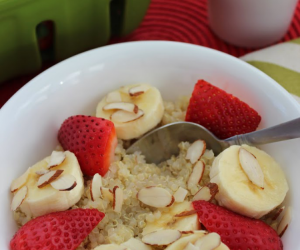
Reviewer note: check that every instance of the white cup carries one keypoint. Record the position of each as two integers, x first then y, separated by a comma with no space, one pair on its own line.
250,23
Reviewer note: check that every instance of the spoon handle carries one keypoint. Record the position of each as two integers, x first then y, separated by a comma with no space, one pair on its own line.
285,131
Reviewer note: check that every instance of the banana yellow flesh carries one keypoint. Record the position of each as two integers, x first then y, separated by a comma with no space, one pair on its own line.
238,193
150,102
40,201
169,221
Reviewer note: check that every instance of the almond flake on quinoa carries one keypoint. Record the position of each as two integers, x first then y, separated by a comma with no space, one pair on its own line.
195,151
207,193
118,199
95,187
155,197
107,193
196,175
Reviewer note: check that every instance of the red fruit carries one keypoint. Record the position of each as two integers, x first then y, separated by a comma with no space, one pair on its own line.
221,113
57,231
93,140
237,232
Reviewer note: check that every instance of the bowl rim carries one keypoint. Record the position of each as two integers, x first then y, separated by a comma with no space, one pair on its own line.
63,65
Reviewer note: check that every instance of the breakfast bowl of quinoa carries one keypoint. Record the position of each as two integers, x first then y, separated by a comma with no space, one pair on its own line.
68,182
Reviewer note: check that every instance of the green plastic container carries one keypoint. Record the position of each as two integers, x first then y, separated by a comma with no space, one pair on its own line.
78,25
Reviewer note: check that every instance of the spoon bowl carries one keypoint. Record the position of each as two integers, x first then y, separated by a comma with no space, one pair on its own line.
161,143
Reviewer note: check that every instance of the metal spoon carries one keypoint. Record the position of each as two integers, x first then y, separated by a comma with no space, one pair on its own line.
161,143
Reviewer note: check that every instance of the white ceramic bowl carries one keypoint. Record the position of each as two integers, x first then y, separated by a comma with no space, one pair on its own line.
31,118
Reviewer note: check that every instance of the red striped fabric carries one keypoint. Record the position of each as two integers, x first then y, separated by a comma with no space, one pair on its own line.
186,21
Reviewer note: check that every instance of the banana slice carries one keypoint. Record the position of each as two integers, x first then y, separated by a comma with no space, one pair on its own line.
238,193
40,201
147,113
169,221
192,238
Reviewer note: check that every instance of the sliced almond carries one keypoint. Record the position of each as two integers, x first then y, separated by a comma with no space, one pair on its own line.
190,246
285,221
136,244
114,96
107,193
195,151
20,181
18,198
196,174
278,213
124,116
49,177
208,242
126,106
251,167
161,237
42,172
187,232
155,197
180,194
56,158
206,193
118,199
95,187
138,90
186,213
65,182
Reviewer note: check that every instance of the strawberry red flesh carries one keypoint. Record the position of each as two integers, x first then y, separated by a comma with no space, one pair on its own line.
93,140
57,231
237,232
221,113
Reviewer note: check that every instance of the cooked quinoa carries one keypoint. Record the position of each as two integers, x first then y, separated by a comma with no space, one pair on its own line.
131,173
175,111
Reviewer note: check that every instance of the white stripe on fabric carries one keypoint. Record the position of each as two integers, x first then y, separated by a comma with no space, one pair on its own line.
286,55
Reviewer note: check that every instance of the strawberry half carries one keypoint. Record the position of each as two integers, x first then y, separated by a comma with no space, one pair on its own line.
221,113
57,231
237,232
93,140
